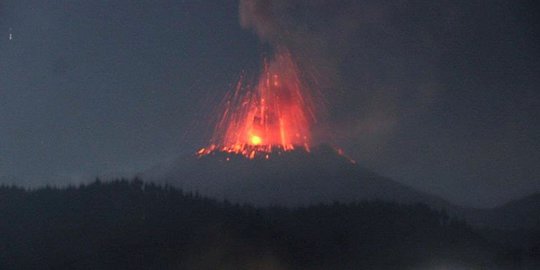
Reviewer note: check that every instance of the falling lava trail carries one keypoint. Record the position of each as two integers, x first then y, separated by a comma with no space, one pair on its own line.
275,115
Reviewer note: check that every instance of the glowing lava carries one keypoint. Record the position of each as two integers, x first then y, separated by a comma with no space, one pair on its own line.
255,140
276,114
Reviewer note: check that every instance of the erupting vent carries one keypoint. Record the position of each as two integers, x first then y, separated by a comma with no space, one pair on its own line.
276,114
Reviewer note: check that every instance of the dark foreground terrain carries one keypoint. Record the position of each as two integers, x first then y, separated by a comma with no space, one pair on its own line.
133,225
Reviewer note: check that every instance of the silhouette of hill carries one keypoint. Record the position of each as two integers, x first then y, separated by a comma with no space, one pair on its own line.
296,178
522,213
515,224
133,225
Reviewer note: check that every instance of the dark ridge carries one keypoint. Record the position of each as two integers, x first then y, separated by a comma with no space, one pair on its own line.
136,225
517,214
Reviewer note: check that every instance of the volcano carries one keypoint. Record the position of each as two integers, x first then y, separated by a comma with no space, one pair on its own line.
261,151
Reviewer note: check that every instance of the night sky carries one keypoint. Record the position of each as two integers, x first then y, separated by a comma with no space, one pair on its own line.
440,95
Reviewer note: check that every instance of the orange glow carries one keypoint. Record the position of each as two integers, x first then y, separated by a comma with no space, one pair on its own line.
274,114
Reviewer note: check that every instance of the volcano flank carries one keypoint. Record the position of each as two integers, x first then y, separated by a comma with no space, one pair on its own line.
284,177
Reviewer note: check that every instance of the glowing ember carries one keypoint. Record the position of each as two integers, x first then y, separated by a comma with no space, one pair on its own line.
275,114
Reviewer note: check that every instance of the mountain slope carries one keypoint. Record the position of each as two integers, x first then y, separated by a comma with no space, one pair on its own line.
299,178
290,178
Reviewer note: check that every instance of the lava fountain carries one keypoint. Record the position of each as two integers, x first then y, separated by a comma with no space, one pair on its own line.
274,115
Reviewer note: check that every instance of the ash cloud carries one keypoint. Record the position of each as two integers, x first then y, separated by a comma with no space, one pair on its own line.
371,68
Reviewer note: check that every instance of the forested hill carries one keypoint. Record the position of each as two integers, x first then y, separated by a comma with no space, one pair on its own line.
134,225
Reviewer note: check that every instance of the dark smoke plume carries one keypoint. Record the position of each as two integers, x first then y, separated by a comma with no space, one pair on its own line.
396,74
356,53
